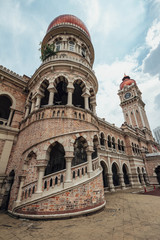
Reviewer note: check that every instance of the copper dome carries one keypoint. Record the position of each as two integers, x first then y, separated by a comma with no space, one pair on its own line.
126,82
62,19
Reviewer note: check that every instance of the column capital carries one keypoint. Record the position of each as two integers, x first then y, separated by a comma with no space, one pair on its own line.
22,177
41,167
69,154
86,94
39,95
70,89
52,89
89,149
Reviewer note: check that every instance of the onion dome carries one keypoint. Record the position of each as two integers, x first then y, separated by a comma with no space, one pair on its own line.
126,81
68,19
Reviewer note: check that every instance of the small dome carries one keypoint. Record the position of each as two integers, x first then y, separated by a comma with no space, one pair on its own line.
126,82
64,19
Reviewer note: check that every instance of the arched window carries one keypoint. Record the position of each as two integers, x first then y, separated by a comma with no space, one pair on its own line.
102,140
113,143
83,51
71,46
119,145
57,160
45,92
109,142
60,97
95,144
5,104
77,98
122,146
58,46
80,155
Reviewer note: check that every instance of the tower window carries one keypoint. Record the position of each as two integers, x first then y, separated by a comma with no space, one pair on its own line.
83,52
58,46
71,46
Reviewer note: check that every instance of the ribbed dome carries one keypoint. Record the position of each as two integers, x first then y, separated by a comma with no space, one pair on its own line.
126,81
64,19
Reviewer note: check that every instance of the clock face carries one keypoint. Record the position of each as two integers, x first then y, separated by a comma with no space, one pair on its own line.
127,95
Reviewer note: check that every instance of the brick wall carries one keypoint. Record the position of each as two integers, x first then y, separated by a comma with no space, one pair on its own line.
86,196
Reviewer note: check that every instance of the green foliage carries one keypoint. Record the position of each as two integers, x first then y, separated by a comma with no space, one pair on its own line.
47,51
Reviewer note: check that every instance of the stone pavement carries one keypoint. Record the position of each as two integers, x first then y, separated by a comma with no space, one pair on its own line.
127,216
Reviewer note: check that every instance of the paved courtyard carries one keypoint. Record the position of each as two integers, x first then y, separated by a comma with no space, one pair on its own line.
127,216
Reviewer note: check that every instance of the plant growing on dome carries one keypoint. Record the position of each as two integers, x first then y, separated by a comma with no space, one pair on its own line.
47,51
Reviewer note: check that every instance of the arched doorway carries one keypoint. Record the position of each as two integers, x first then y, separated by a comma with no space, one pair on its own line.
139,175
80,155
157,171
104,174
115,175
78,99
125,174
57,160
60,97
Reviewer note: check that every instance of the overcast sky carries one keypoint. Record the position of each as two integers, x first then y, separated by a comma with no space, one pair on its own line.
125,35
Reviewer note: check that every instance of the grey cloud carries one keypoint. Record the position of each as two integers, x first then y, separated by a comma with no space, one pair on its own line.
152,62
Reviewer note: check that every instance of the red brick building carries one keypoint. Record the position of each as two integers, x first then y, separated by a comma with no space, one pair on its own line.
57,155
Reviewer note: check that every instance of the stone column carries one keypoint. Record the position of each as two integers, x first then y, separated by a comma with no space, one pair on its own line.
51,90
89,158
21,178
33,105
68,177
70,90
10,116
41,169
38,101
110,182
121,179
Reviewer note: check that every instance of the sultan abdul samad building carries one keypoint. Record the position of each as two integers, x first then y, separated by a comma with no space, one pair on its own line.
56,155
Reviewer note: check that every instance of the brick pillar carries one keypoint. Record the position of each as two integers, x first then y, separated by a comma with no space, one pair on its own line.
110,182
121,179
21,178
41,169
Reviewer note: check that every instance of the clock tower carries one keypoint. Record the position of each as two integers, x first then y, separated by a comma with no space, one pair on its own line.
132,105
